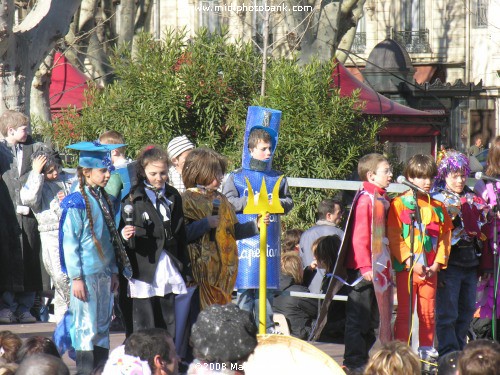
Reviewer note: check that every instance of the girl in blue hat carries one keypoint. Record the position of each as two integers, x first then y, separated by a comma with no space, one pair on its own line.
92,251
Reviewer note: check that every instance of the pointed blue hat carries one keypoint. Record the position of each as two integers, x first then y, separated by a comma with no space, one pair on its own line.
94,154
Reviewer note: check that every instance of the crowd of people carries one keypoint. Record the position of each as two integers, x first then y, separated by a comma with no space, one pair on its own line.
161,243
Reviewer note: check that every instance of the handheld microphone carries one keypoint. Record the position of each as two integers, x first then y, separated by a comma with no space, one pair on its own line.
404,181
129,220
215,211
481,176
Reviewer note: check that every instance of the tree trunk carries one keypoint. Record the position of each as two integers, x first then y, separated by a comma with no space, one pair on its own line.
127,21
318,33
23,48
40,101
265,38
351,12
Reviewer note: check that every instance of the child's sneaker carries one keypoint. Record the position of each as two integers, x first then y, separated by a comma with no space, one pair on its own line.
429,357
7,317
26,317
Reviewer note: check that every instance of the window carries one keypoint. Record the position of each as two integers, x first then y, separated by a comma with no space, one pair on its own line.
210,13
413,35
480,14
359,42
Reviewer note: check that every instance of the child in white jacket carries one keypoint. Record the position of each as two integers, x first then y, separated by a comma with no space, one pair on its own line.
46,186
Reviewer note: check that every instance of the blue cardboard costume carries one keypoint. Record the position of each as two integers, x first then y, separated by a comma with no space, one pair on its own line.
236,190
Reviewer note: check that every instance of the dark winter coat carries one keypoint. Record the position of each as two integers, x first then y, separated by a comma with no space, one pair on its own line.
299,312
21,258
150,238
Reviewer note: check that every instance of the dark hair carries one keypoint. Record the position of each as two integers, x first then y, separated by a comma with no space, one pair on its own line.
223,334
448,363
327,250
291,239
480,357
369,163
421,166
148,343
37,344
150,154
257,135
201,167
327,206
10,342
42,364
53,159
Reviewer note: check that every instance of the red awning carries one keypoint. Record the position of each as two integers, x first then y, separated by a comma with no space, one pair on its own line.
67,85
373,102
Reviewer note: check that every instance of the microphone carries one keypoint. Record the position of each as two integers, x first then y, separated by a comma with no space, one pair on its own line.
481,176
215,211
129,220
404,181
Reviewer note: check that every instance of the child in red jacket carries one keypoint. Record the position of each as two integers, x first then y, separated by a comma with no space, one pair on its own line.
362,313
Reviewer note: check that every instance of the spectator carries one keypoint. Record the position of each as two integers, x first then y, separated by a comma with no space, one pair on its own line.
477,147
480,357
45,188
393,358
299,312
224,336
8,368
9,346
42,364
291,241
178,149
24,276
121,363
35,345
329,214
155,346
448,364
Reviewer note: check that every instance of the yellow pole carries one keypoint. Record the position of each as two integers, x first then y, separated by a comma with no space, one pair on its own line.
263,206
263,278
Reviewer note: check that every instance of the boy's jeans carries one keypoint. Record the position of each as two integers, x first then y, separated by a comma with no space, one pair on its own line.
455,306
248,300
17,302
362,318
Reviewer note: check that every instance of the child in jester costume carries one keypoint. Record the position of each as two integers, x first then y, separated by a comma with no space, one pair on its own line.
261,139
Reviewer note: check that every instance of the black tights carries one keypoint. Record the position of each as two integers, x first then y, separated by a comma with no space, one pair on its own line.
154,312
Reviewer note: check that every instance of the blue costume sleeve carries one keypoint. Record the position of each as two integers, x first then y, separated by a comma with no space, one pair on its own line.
70,232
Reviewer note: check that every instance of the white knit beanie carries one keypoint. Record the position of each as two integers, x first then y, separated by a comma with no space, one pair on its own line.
178,145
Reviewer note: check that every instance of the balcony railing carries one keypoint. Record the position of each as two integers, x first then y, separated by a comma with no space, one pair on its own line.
414,41
359,43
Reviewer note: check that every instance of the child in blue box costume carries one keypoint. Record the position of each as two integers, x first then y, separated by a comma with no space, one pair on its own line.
261,138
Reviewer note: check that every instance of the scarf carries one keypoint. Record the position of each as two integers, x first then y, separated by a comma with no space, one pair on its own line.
120,253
